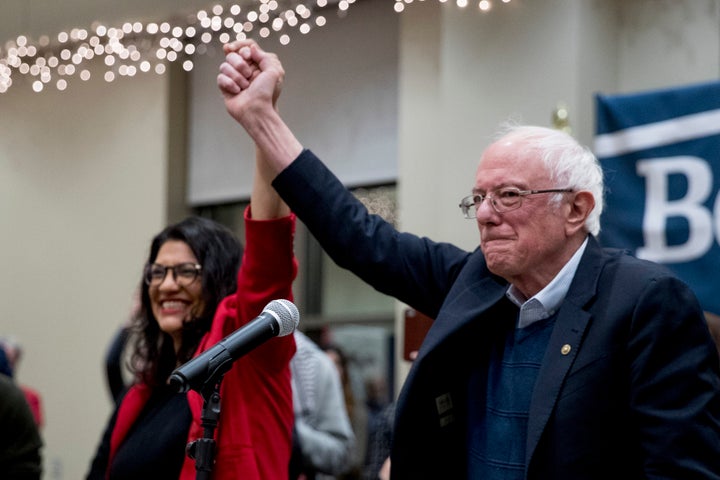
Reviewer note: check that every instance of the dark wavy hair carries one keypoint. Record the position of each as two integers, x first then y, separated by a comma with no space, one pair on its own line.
219,252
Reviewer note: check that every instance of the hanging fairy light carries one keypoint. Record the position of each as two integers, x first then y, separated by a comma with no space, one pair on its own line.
136,47
482,5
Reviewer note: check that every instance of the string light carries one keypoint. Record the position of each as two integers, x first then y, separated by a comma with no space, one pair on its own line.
483,5
134,47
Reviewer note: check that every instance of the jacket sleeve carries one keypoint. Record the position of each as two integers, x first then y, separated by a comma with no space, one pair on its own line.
413,269
266,273
676,392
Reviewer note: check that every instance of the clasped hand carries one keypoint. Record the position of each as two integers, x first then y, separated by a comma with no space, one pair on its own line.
250,79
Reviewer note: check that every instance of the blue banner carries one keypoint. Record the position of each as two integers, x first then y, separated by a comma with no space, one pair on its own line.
660,151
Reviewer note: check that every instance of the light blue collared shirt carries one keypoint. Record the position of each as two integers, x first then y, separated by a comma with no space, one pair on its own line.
546,302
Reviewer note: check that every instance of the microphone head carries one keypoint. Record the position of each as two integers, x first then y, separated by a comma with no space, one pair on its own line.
286,313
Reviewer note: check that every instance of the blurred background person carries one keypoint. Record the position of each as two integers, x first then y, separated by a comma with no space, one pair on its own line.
14,352
379,442
713,321
114,363
377,460
116,353
340,360
194,292
20,444
324,442
355,396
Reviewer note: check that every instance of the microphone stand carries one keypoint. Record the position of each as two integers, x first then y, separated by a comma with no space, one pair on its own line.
202,450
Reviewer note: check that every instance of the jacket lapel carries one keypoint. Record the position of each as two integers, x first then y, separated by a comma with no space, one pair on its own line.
565,343
463,306
471,296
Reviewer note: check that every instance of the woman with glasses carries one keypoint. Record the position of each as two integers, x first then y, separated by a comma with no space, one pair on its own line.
195,291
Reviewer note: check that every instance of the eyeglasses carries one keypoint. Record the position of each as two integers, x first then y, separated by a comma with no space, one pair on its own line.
183,273
502,200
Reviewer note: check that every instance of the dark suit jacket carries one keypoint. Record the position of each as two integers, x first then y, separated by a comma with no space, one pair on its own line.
629,386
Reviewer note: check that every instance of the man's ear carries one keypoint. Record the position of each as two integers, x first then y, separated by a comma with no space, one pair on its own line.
581,205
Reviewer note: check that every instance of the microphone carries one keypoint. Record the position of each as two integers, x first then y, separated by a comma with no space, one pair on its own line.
279,318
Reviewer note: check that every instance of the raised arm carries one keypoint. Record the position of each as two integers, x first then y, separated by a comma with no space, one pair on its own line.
265,203
250,80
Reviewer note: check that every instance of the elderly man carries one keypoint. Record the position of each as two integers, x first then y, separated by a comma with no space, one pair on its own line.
549,357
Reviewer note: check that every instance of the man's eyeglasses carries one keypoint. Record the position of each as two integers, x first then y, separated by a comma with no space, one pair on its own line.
502,200
183,273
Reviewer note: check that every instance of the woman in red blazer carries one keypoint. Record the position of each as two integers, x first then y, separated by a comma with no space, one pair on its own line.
195,292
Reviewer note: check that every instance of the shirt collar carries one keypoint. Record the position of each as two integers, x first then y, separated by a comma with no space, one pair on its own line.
546,302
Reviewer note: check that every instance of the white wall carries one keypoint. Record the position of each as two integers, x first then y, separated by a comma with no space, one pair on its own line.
340,98
668,42
81,194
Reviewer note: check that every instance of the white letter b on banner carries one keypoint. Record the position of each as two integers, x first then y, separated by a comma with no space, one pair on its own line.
658,208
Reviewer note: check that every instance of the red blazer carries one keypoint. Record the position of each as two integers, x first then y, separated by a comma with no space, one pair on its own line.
253,437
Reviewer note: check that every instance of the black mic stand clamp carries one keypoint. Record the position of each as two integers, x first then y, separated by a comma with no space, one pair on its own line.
202,450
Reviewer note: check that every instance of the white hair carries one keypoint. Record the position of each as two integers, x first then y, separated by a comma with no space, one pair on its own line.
569,164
